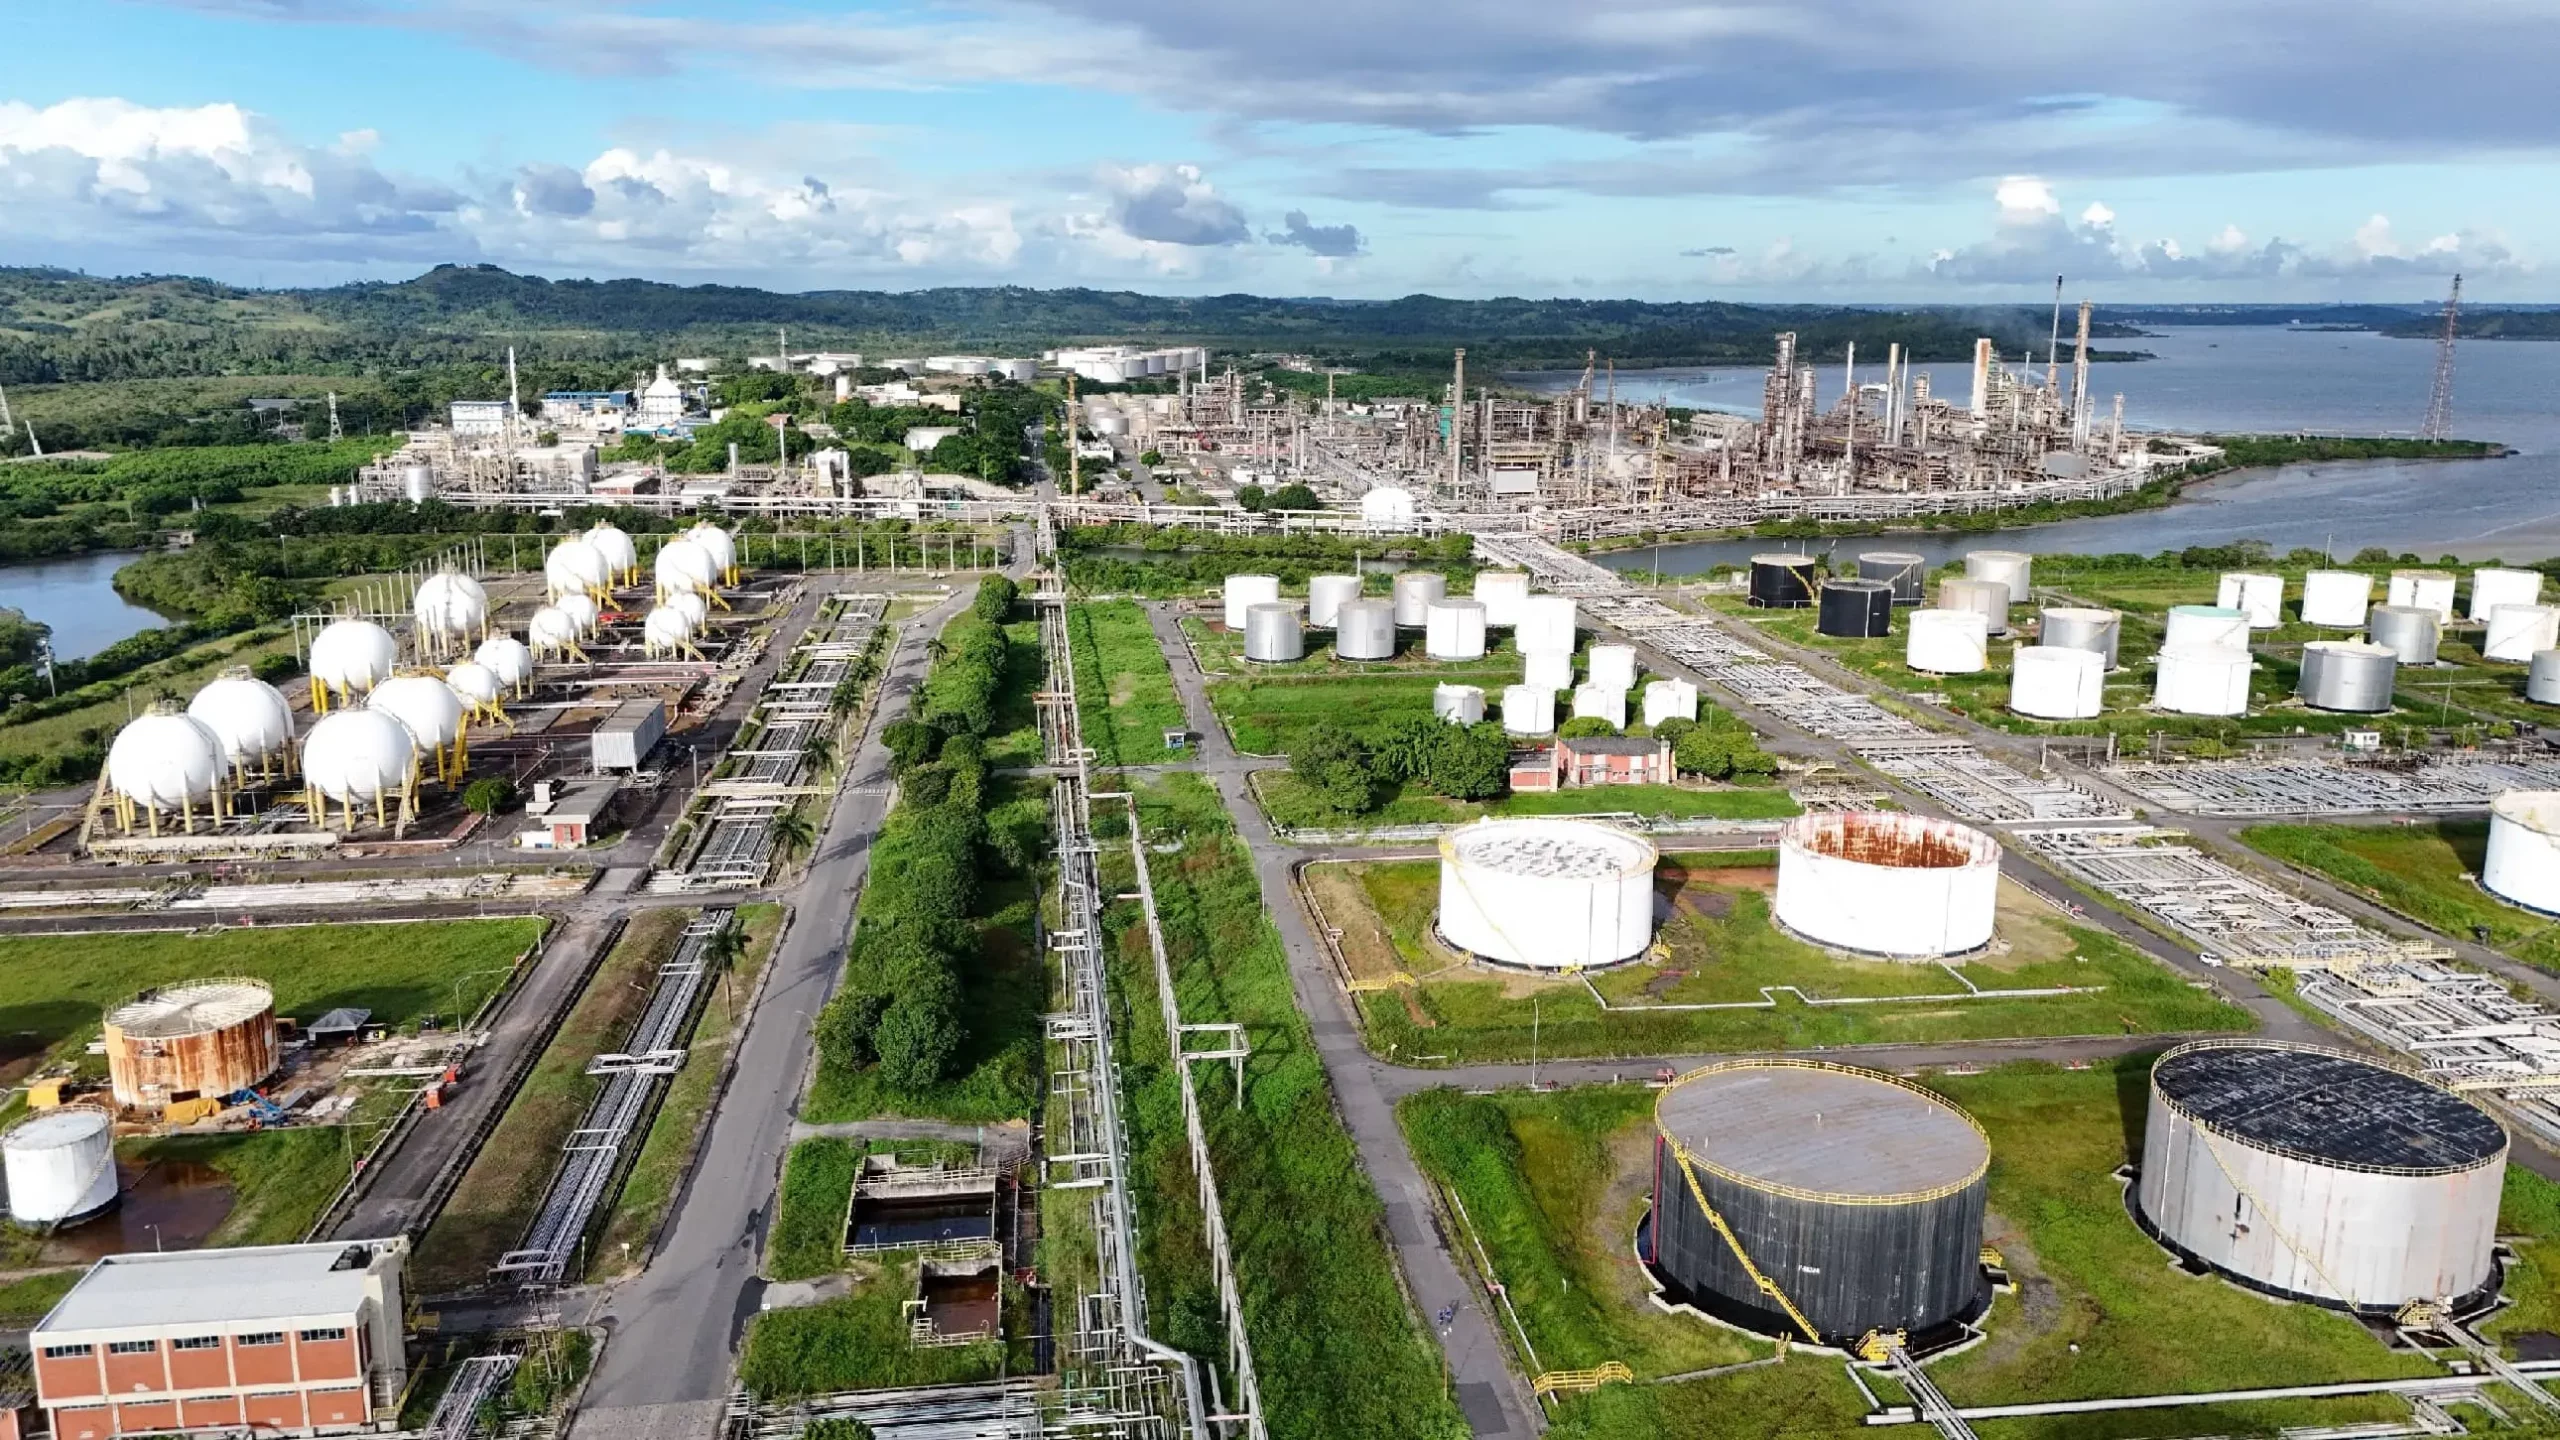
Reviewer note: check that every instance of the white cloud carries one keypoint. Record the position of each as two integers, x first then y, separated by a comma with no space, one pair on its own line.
2025,200
2231,239
2097,216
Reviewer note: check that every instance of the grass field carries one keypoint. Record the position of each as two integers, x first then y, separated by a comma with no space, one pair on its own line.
1015,737
498,1195
1266,716
54,988
1723,949
1289,803
1553,1184
858,1342
2423,871
1339,1352
686,1108
1124,690
809,1214
280,1179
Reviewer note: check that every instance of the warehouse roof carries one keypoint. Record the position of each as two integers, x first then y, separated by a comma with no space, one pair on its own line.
2327,1107
1822,1130
216,1287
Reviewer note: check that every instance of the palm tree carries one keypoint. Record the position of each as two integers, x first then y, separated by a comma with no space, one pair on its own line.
792,832
818,752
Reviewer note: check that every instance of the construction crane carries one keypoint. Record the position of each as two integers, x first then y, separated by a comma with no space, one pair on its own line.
2439,421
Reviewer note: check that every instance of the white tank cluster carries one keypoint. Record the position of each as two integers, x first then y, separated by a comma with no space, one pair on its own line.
363,760
1547,669
721,546
2336,599
1458,704
1547,623
553,635
2322,1176
2206,626
60,1165
1416,591
1364,630
2492,587
684,564
1881,882
2051,683
2260,597
1601,702
1948,642
452,614
621,556
2412,632
1670,700
432,714
583,612
1528,710
1546,894
349,658
666,632
576,567
2523,863
2422,590
2075,627
2014,569
1454,630
1503,593
1987,598
478,688
1243,592
1614,666
2517,631
1326,595
250,719
166,763
2203,680
508,658
1272,634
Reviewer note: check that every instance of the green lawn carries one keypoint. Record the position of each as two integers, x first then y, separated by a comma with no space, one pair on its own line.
54,988
857,1343
1124,690
2423,871
809,1215
1723,948
1014,739
497,1196
1339,1352
1554,1183
1266,716
280,1179
1288,802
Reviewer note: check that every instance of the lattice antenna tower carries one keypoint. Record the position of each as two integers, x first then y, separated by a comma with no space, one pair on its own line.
337,432
8,427
2439,421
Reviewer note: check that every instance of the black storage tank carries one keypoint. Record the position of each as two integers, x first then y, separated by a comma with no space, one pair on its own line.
1906,572
1855,609
1782,581
1859,1195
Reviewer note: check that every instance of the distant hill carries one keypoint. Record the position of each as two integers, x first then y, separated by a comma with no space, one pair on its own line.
57,325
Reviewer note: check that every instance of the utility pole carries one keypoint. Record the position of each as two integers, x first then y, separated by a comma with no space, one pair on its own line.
2439,421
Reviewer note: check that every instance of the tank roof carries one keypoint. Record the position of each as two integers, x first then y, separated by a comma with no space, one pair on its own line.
192,1008
2327,1107
2533,809
1551,849
47,1128
1894,838
1822,1131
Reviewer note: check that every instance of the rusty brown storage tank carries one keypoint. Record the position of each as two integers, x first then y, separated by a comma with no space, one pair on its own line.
196,1039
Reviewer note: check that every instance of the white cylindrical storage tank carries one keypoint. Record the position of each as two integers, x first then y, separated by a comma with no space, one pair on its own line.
1108,422
583,612
165,760
575,567
510,659
475,685
1415,590
2523,864
417,484
1948,642
350,657
621,557
691,605
2260,597
1243,592
2336,598
2423,590
1326,595
2411,632
1670,700
1458,704
1987,598
451,610
2072,627
2203,680
1546,894
1546,623
1614,666
2492,587
1528,710
2202,626
1387,506
2542,681
428,710
1547,669
2347,675
249,717
356,757
2517,631
551,631
2013,568
665,631
2323,1176
1881,882
1364,630
1272,635
683,564
1454,630
1601,702
61,1166
2056,684
1502,593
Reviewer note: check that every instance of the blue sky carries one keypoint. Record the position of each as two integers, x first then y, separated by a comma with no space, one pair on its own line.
1826,149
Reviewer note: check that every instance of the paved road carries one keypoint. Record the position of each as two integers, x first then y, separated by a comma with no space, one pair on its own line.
1364,1091
677,1326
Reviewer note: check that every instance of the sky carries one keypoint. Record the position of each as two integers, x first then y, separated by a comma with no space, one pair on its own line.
1841,150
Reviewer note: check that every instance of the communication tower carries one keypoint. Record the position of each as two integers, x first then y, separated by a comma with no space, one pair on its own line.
2439,421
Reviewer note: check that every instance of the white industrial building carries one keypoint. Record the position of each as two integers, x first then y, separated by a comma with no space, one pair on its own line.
481,418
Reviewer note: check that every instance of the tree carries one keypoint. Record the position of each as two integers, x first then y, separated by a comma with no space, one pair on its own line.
1252,497
1333,762
1582,726
996,595
818,752
1403,747
911,743
847,1025
838,1427
1151,457
1473,762
792,832
1704,752
489,795
919,1031
1295,497
1672,729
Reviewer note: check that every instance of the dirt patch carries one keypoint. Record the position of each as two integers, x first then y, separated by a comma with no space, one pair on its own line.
1613,1220
1124,688
2026,932
1367,951
1763,878
2039,1303
1661,984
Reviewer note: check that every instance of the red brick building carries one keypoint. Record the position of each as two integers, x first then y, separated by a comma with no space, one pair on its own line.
277,1339
1612,760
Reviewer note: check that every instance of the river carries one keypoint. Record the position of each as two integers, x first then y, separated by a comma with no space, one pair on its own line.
2255,379
75,594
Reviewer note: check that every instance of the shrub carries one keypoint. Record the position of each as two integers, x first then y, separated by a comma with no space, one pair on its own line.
488,795
1583,726
1335,764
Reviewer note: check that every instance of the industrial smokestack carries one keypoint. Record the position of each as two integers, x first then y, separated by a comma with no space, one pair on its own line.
1981,405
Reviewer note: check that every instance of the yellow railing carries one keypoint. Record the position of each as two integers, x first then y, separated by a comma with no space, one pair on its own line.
1578,1381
